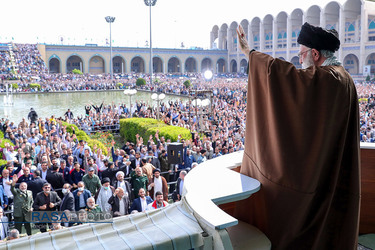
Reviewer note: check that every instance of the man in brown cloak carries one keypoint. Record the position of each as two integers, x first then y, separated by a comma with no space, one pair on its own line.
302,144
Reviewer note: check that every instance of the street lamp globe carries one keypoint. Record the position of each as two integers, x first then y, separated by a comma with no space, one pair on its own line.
208,75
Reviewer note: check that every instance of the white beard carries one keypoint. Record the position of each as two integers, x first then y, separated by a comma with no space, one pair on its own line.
308,62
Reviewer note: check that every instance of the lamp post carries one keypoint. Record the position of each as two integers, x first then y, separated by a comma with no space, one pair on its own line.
130,93
110,20
158,98
150,3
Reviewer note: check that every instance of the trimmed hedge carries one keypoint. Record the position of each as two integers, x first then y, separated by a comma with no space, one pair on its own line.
81,135
77,71
147,126
35,85
14,86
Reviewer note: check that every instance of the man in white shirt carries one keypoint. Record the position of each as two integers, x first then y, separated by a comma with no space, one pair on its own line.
10,154
140,204
44,171
6,181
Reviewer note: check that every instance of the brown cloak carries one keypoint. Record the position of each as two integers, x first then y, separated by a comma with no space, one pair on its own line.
302,144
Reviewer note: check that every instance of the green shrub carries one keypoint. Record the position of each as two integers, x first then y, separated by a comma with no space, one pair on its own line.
81,135
77,71
98,144
35,85
368,78
119,85
187,84
104,137
14,86
3,141
170,132
2,144
3,162
147,126
140,82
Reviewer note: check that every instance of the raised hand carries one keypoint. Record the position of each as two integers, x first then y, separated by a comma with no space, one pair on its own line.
244,45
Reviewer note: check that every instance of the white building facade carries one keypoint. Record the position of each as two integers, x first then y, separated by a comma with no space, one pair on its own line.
277,35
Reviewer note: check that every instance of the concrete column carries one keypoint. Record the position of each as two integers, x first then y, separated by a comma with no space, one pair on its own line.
356,33
364,38
211,40
322,19
239,52
250,36
230,41
274,37
221,40
288,37
341,30
261,36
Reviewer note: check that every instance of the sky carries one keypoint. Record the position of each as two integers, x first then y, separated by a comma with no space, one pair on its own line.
173,21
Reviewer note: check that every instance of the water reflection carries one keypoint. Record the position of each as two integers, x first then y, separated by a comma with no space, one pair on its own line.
57,104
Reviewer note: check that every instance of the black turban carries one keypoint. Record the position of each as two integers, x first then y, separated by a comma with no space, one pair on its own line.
319,38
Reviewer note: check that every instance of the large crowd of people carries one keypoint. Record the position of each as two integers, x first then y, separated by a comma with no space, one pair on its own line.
48,169
45,156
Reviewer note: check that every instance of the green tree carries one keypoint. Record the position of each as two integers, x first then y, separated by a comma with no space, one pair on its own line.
140,82
77,71
187,84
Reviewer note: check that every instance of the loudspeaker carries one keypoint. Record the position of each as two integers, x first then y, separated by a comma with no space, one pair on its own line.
175,153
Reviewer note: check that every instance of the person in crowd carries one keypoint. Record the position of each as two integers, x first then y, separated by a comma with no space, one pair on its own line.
44,170
110,172
26,177
140,204
177,194
14,234
93,209
120,202
3,198
104,193
56,179
4,226
32,116
138,180
80,196
76,174
67,202
158,184
36,185
159,202
92,181
46,201
65,171
23,204
6,183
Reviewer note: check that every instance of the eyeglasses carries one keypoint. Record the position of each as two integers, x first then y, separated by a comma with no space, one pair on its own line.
301,53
